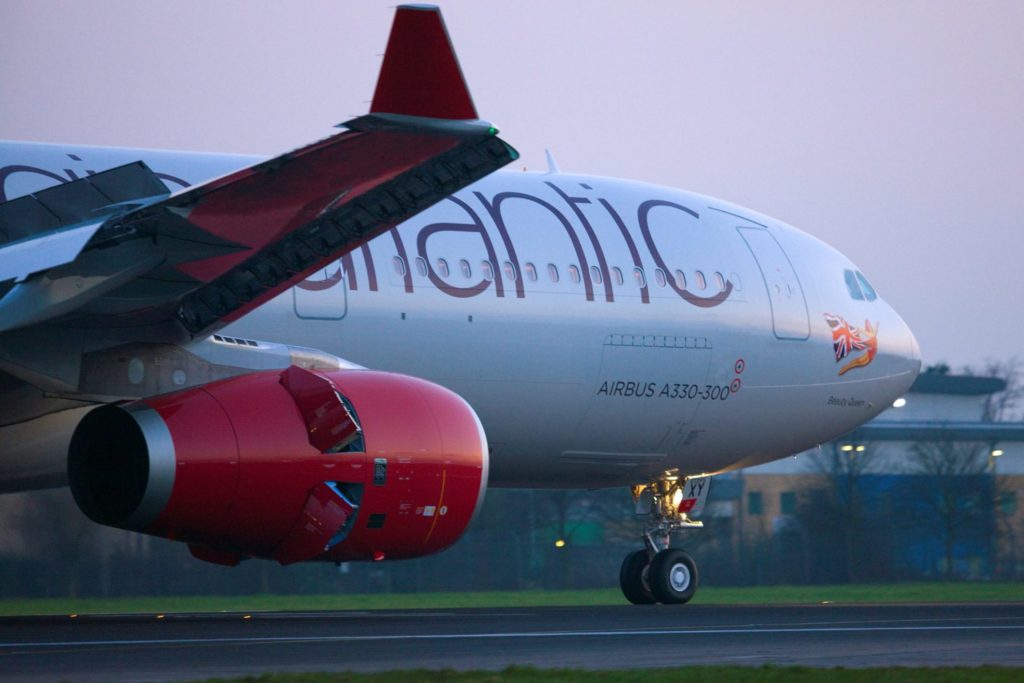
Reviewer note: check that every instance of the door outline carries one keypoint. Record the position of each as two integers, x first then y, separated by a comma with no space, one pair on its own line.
327,302
786,322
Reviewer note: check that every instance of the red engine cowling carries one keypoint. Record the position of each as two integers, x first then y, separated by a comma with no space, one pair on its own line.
293,465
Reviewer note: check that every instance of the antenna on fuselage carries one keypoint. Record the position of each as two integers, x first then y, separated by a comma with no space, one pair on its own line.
552,164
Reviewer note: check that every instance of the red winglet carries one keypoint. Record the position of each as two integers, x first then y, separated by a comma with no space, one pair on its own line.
421,75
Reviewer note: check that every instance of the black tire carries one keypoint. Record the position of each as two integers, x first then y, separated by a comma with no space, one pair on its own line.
672,577
631,579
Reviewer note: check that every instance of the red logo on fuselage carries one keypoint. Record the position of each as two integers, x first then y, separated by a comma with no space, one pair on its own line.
848,340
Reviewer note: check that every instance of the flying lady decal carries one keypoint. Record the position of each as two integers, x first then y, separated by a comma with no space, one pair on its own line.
848,340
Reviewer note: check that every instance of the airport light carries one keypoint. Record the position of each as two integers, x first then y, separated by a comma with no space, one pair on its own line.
996,452
560,543
899,403
846,448
861,448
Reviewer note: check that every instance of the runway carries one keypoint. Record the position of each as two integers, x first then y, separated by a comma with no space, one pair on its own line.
186,647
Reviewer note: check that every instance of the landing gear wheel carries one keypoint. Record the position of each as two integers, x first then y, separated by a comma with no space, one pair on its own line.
633,581
672,577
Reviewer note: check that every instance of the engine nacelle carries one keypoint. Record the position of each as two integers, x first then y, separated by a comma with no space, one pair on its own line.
294,465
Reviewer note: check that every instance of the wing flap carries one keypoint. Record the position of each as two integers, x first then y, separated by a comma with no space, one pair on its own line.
73,280
23,258
86,199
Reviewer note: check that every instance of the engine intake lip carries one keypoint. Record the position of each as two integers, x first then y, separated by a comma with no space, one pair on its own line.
121,466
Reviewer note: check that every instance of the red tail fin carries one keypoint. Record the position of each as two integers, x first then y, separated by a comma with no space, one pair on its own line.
421,75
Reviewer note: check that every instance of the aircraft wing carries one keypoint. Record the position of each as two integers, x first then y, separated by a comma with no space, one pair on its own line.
117,250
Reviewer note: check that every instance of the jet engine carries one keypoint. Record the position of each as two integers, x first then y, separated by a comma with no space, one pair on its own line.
294,466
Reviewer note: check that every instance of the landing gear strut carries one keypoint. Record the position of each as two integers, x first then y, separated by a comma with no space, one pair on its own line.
659,573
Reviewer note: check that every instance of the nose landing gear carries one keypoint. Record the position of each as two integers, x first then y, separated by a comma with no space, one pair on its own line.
659,573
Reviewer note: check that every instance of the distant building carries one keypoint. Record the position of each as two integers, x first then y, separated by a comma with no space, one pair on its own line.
930,482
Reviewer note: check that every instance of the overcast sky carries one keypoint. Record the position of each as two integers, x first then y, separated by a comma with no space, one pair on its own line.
892,130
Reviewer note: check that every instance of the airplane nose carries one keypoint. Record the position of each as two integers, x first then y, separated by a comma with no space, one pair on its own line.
902,354
915,352
910,351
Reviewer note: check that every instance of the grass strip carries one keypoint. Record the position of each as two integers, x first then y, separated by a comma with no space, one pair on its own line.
692,674
754,595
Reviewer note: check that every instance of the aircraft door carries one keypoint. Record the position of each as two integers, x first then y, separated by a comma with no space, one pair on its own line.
323,296
786,296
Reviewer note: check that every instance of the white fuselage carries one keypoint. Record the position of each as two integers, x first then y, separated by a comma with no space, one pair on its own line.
605,331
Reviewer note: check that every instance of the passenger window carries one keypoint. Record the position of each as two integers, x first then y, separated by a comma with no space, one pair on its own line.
442,267
421,266
702,283
617,276
531,272
467,271
399,264
852,286
720,281
574,274
638,276
509,270
553,272
869,291
659,277
680,279
487,269
595,275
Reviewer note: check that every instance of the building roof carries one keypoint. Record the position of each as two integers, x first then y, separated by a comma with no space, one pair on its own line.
959,385
935,430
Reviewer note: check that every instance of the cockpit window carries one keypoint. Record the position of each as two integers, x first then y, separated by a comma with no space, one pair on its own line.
852,286
869,291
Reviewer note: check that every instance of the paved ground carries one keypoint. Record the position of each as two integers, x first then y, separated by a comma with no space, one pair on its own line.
184,647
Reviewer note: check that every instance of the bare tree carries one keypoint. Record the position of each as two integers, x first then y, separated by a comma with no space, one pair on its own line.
65,548
953,495
838,509
1003,405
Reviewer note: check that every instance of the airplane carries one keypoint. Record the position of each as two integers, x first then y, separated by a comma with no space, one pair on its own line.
331,354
